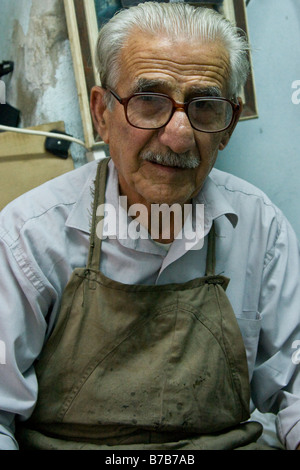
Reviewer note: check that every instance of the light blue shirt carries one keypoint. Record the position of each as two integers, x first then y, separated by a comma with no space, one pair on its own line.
45,235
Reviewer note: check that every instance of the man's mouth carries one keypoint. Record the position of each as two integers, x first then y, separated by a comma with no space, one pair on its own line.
172,159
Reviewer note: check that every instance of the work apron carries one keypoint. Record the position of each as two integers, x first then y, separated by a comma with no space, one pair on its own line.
141,367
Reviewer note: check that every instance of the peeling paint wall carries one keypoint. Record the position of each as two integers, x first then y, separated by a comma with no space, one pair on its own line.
34,35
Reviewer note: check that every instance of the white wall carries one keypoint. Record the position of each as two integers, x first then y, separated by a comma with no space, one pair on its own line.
265,151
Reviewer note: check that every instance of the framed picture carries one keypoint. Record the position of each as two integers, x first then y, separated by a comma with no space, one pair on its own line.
84,19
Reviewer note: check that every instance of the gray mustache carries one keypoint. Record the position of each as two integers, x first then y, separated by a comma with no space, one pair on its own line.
180,160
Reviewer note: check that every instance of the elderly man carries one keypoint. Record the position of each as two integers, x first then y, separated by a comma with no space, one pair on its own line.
136,342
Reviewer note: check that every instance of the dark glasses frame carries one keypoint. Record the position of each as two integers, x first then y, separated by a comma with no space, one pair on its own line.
176,105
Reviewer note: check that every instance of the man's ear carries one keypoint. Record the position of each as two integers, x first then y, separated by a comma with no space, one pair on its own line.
99,112
228,133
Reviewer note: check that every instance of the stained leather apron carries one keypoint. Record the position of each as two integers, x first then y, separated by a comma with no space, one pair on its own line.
142,367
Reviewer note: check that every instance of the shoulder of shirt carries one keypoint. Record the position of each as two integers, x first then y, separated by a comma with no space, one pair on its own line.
254,209
62,191
233,184
246,198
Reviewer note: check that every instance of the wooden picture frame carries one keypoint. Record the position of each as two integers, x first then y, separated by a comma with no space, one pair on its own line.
83,27
235,11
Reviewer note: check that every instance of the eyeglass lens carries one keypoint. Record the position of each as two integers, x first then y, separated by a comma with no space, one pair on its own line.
153,111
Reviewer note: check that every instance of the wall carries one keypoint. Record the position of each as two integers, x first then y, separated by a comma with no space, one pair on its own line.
265,151
34,35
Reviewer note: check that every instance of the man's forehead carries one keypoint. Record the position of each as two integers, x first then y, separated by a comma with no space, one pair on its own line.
146,57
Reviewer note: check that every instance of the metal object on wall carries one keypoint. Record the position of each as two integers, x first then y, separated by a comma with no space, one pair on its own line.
6,67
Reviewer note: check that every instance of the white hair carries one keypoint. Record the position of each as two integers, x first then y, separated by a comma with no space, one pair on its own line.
173,20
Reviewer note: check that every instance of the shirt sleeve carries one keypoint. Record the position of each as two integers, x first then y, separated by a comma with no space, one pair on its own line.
22,333
276,377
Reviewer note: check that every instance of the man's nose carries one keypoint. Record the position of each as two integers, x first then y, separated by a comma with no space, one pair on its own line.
178,134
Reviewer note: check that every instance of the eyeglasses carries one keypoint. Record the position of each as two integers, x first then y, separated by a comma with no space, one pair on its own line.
155,110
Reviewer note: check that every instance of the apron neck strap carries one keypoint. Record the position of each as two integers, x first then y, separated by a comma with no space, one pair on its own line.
95,240
210,257
99,199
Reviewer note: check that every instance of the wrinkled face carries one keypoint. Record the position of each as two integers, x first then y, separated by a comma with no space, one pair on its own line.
182,69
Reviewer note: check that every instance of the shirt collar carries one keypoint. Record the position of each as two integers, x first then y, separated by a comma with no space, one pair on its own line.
80,216
215,203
